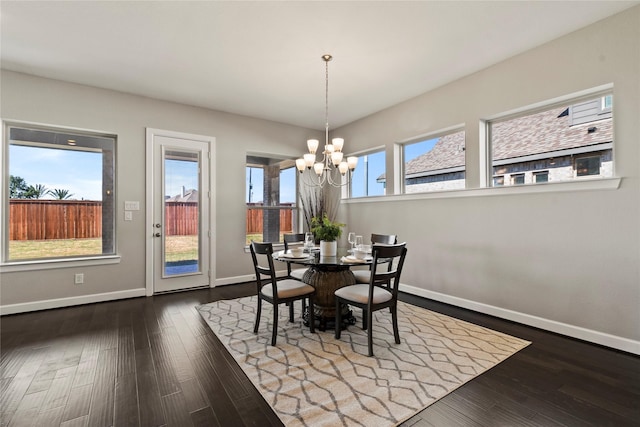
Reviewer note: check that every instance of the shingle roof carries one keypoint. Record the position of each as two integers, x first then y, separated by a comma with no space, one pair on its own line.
447,153
544,132
189,196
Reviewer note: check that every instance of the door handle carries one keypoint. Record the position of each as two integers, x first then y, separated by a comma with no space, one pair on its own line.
157,235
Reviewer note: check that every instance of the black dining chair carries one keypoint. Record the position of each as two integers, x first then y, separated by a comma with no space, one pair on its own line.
363,276
381,291
290,240
276,292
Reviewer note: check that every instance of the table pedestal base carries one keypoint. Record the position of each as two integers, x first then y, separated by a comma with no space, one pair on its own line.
327,322
326,280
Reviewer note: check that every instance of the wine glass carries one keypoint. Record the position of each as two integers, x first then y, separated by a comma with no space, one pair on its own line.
352,239
308,240
359,242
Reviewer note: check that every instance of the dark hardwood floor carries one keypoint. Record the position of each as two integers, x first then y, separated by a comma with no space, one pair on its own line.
154,362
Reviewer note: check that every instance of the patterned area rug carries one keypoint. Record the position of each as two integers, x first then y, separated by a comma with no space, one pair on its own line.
316,380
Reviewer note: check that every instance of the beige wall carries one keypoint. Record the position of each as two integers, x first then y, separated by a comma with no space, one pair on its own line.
570,258
45,101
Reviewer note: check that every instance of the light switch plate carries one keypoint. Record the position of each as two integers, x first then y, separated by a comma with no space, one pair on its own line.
128,216
131,206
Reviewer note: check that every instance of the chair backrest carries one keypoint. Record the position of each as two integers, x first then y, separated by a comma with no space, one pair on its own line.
262,256
295,239
381,275
385,239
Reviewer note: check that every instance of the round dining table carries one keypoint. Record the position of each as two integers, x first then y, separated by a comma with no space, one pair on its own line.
326,274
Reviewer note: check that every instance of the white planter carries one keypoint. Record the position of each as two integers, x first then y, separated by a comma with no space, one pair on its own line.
328,248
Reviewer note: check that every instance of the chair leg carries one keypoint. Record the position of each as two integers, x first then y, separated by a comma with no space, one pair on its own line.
274,334
394,320
364,319
370,332
312,319
338,326
258,312
291,312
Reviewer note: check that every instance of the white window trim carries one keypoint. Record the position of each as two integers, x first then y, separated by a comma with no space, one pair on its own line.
58,263
486,155
552,187
398,164
49,263
346,190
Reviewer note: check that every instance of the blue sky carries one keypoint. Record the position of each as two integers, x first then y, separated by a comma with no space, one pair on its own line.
179,173
79,172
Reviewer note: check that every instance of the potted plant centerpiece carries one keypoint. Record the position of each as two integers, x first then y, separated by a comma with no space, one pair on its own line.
327,232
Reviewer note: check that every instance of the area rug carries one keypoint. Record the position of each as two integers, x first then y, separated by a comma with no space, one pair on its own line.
316,380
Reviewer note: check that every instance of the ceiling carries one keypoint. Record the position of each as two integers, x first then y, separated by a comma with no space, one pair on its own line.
263,59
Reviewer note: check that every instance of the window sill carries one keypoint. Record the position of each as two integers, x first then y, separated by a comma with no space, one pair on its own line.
58,263
555,187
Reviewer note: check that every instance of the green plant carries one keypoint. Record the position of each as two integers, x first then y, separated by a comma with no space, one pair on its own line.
325,229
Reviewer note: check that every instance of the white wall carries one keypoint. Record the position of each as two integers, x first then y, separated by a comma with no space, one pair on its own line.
567,261
52,102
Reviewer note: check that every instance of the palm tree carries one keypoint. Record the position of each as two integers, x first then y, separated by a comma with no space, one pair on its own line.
36,191
60,194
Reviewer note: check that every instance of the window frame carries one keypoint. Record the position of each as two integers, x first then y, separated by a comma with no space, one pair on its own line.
285,163
400,187
486,149
348,189
8,265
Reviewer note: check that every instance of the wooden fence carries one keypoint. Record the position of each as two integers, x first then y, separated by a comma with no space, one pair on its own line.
54,219
35,219
255,218
180,218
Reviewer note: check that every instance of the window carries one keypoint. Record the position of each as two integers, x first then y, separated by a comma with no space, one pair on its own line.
517,179
368,178
553,144
542,176
437,163
586,166
498,181
270,198
61,199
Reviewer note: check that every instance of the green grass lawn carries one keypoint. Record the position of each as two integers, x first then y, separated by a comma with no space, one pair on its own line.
179,248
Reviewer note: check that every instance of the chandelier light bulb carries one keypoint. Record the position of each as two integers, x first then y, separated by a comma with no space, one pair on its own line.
300,165
312,145
337,143
336,157
309,159
352,162
343,167
318,168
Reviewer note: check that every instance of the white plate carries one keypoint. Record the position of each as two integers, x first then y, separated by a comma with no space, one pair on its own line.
292,256
355,260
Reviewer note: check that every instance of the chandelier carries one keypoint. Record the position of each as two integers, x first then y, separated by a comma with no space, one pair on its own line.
332,157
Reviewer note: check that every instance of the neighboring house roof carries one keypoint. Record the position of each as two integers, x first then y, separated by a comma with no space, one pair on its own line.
188,196
545,132
447,153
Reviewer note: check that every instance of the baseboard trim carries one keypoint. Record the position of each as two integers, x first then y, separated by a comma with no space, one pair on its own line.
71,301
242,279
601,338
